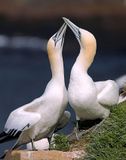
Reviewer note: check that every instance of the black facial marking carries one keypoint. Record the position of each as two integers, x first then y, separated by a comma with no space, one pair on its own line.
62,40
79,34
57,37
54,38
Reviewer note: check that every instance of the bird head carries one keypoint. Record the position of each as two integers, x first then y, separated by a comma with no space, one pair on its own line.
55,43
86,40
84,37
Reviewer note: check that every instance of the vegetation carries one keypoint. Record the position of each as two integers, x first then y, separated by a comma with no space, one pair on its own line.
60,142
108,142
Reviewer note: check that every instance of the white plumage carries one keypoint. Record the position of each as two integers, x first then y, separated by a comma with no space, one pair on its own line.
43,144
39,118
88,98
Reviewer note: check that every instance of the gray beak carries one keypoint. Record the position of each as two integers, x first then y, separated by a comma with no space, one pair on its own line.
60,35
74,28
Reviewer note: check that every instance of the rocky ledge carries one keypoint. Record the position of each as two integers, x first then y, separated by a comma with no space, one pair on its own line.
44,155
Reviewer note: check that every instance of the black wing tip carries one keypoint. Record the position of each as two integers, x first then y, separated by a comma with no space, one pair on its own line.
2,134
4,137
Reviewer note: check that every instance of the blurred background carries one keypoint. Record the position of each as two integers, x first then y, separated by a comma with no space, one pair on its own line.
26,26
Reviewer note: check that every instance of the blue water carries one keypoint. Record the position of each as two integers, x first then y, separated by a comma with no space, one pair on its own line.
24,74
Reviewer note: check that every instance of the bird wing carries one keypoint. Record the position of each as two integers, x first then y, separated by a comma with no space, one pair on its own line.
20,120
108,92
63,121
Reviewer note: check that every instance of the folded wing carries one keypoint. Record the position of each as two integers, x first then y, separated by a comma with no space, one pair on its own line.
20,120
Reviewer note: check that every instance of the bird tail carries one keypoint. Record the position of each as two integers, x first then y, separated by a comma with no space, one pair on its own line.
4,137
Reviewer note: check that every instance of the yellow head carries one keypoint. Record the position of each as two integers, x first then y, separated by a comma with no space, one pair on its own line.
54,48
55,43
86,40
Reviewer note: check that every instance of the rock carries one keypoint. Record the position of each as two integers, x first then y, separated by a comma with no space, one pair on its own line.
43,155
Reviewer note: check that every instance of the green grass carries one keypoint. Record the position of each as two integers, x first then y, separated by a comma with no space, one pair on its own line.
108,142
61,143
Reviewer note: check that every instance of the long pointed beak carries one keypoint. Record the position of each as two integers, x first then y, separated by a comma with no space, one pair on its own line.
74,28
60,35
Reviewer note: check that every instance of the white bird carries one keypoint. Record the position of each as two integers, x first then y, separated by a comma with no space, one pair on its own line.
43,144
39,118
88,98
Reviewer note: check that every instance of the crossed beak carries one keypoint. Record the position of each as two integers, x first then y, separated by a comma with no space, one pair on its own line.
59,36
74,28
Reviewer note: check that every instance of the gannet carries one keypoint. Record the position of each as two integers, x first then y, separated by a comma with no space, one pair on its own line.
38,119
43,144
88,98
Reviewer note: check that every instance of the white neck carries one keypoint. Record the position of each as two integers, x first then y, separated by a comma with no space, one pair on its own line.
57,68
83,61
87,52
